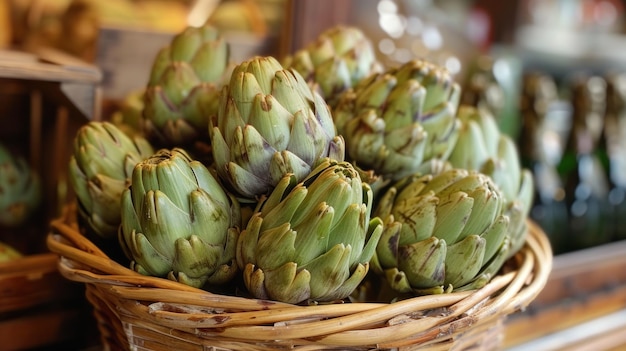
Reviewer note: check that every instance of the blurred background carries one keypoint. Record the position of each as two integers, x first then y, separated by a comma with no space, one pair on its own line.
552,72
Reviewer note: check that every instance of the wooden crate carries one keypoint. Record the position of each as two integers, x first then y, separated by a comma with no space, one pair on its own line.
125,55
44,98
38,307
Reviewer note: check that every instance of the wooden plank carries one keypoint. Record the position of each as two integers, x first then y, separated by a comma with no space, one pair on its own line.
612,340
561,316
34,281
42,262
583,285
306,19
49,72
36,116
77,80
577,274
44,328
601,334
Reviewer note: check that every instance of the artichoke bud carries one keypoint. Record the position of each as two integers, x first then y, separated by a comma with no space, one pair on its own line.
182,93
128,116
270,124
396,120
100,169
178,222
482,147
440,231
310,240
337,60
20,189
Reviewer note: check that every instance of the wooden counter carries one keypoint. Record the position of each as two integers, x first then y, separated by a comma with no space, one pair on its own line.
583,306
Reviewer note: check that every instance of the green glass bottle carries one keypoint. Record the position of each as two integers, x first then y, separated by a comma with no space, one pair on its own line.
492,84
586,184
614,153
540,147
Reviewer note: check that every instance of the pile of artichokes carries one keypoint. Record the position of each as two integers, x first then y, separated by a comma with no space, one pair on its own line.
322,167
20,189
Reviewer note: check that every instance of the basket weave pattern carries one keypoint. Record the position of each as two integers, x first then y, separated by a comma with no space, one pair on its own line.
146,313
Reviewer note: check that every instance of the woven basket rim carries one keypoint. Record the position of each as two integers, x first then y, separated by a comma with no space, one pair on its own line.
170,307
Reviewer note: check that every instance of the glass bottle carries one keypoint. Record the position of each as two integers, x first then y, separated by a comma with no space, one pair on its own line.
586,184
540,150
614,147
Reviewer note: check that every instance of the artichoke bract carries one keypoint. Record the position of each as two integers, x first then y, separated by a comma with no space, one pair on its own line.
481,146
394,121
182,93
441,232
100,169
310,241
337,60
20,189
270,123
178,222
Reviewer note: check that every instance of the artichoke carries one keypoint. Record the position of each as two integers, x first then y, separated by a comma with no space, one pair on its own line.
100,168
128,117
183,90
8,253
336,61
482,147
178,222
270,123
441,232
20,189
394,121
313,240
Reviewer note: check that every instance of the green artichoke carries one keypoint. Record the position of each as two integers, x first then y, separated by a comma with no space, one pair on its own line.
183,91
270,123
178,222
313,240
394,121
336,61
482,147
20,189
100,168
128,117
441,232
8,253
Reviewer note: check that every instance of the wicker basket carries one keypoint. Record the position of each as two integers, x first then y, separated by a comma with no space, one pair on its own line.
147,313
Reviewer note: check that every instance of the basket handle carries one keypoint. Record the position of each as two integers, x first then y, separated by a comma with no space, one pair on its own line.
96,267
72,235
